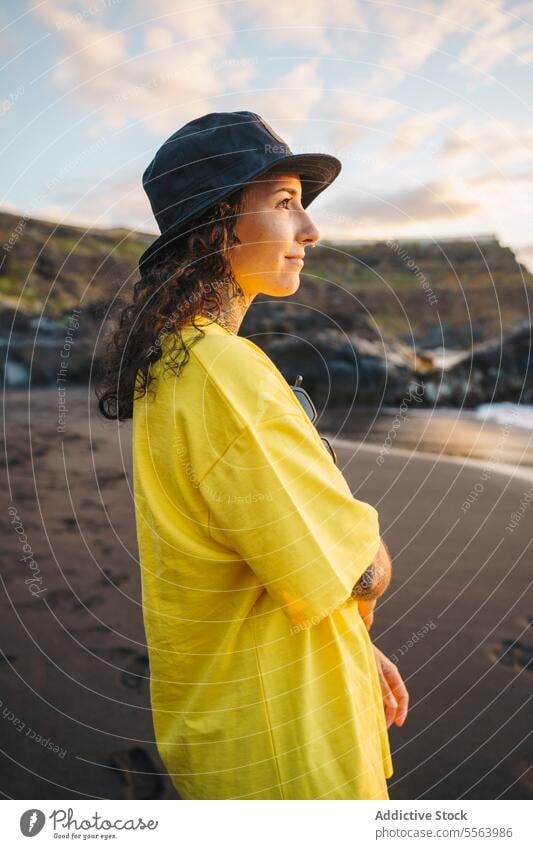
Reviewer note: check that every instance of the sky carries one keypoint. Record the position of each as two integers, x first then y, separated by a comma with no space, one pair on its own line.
427,105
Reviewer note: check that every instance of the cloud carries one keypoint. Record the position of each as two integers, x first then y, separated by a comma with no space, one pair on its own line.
492,141
324,25
506,197
287,105
83,37
181,68
412,34
117,201
158,38
499,178
497,34
416,132
524,254
355,113
434,201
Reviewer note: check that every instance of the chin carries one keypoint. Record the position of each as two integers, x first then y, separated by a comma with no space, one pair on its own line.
285,285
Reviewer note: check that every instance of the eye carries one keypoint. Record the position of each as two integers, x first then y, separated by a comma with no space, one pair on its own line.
285,200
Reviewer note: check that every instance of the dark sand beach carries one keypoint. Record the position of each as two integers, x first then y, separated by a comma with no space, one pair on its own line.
458,616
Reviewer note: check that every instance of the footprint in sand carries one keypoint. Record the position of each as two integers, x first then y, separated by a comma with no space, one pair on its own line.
10,574
65,600
85,523
23,496
107,480
137,675
518,654
135,671
139,773
69,522
39,449
114,580
92,629
89,524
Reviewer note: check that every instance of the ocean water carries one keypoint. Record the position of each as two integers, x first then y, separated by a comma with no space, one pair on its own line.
517,415
500,432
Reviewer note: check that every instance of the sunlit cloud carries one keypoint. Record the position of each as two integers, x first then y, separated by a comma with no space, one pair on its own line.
324,25
499,178
417,132
289,102
119,201
182,66
524,254
437,201
410,36
496,34
488,34
489,142
355,112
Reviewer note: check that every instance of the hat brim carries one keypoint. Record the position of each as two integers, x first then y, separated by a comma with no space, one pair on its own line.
316,171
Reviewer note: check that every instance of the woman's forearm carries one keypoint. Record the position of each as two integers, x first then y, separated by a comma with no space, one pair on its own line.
375,580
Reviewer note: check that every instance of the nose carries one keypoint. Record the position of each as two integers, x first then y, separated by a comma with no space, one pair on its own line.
308,234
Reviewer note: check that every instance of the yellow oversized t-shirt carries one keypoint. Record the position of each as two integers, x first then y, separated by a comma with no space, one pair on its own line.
263,681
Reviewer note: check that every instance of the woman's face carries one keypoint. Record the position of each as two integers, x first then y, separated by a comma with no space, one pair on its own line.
272,227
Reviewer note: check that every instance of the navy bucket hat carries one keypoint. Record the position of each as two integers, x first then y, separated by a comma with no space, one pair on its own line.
211,157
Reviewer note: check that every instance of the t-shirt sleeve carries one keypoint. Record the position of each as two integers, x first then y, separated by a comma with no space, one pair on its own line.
278,500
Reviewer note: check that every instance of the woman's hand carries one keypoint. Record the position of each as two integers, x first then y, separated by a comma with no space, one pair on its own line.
395,695
366,611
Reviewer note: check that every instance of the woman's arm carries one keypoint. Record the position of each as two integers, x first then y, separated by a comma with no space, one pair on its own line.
395,694
374,580
373,583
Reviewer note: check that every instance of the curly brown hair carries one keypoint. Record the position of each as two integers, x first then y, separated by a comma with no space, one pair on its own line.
193,275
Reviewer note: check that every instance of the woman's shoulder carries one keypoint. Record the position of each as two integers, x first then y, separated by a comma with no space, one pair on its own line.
242,375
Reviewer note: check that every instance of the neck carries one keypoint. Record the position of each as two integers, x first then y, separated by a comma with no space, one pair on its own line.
233,307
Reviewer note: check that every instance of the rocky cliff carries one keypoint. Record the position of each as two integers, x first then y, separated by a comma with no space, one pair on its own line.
368,322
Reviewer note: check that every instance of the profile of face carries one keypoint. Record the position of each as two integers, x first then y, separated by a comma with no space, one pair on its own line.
274,231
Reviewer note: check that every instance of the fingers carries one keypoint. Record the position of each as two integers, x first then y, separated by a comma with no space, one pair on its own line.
391,706
395,694
389,701
398,689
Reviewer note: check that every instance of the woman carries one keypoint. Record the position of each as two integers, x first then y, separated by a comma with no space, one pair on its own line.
259,568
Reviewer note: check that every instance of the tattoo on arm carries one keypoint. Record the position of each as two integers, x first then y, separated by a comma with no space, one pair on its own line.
374,580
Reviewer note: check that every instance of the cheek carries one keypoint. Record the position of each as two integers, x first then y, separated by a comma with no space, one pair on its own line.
265,232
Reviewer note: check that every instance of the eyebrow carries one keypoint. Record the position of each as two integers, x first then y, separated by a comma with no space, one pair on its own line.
286,189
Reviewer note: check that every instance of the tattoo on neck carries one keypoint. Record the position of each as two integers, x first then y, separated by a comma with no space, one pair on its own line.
233,305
